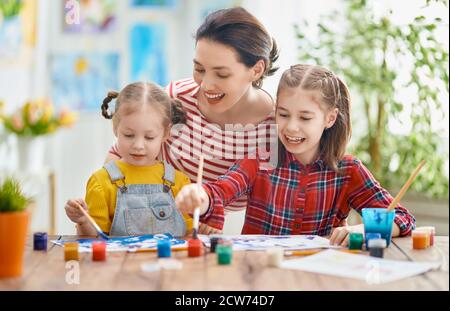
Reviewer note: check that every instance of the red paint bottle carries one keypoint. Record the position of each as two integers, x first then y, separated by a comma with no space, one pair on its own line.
195,248
99,251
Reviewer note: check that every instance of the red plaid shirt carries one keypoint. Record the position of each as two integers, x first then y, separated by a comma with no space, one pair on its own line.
298,199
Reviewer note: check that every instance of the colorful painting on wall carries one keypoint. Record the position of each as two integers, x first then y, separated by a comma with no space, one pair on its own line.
89,16
80,81
211,6
154,3
17,31
148,53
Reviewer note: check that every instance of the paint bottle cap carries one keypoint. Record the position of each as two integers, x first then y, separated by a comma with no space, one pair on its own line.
224,254
40,241
214,241
430,229
356,236
373,235
275,256
419,233
380,243
225,242
163,242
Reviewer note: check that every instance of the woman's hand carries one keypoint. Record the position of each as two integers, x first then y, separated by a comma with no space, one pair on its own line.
190,197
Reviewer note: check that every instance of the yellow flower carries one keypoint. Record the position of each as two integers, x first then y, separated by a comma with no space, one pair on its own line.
67,118
51,128
47,113
2,104
26,109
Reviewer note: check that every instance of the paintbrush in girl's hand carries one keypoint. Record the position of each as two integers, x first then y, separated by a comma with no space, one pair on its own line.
93,223
405,187
197,209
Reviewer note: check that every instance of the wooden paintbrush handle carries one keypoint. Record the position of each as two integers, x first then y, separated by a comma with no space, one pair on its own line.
405,187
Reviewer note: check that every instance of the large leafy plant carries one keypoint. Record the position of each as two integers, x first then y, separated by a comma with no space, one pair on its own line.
399,73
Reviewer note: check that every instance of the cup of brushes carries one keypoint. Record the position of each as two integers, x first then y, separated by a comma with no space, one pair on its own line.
380,220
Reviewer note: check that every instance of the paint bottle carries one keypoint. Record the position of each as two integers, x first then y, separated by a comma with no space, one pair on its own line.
71,251
431,232
420,239
224,252
376,247
274,256
40,241
355,240
370,236
195,248
164,248
213,243
99,251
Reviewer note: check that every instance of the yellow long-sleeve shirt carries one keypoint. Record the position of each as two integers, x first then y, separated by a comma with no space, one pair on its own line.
101,192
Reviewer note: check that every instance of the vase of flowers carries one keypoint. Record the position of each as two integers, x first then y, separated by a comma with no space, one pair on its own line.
31,123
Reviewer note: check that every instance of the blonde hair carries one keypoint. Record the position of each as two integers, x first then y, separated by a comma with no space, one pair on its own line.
334,94
134,95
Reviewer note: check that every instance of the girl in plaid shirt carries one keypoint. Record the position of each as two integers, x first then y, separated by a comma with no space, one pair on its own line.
314,185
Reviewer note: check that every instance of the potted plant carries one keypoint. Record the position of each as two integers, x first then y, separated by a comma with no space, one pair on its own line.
14,218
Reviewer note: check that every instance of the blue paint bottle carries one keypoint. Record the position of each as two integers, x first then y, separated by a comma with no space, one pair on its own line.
40,241
164,248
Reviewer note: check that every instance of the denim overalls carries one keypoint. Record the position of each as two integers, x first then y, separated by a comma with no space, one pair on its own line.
145,208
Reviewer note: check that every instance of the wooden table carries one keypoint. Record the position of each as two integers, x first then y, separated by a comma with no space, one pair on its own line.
122,271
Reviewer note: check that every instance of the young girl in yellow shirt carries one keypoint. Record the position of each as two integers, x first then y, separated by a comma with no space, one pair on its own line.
135,195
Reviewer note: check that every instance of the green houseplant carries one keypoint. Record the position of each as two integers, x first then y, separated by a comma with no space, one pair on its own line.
10,8
400,75
14,218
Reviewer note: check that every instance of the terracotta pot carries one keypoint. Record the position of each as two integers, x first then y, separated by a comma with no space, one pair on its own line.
13,234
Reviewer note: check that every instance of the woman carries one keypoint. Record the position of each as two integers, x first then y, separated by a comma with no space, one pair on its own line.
233,54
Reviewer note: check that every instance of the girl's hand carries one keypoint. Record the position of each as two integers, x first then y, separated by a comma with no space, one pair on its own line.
339,235
205,229
74,213
190,197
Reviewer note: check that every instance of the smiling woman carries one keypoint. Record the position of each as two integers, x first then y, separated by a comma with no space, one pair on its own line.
227,110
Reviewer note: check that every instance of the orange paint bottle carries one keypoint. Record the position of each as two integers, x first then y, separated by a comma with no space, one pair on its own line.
71,251
431,232
420,239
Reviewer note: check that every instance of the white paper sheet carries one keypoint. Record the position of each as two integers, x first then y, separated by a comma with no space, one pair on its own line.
370,269
261,242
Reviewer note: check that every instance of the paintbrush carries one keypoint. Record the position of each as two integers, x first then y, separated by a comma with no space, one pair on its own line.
405,187
93,223
155,250
197,209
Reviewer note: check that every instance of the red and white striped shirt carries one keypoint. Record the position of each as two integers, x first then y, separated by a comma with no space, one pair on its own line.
220,147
